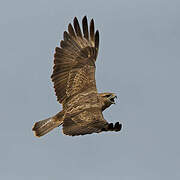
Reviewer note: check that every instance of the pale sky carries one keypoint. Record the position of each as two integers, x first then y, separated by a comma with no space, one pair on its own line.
139,60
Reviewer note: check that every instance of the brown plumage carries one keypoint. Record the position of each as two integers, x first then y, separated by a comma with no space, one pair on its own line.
75,86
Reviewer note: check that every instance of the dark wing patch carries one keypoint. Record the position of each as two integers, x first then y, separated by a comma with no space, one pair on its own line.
74,60
85,28
86,122
77,28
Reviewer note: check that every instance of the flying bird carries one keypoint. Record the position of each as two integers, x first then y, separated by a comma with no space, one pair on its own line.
75,85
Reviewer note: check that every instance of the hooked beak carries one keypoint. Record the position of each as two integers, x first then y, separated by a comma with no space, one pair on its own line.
112,97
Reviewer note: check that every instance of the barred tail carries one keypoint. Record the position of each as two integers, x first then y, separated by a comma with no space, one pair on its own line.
42,127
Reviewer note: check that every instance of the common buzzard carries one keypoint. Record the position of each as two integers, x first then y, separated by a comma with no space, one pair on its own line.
75,86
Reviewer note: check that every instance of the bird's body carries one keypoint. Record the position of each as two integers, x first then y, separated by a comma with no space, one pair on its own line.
75,86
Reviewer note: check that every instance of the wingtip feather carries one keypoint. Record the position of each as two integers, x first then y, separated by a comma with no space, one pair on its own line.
77,27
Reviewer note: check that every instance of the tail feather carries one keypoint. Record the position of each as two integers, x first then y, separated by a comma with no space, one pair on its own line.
42,127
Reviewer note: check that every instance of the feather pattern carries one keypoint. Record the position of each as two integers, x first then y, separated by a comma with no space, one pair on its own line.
75,86
86,122
77,27
71,30
74,79
85,27
92,30
74,59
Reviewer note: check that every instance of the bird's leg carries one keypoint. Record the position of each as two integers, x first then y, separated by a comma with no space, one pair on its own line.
110,127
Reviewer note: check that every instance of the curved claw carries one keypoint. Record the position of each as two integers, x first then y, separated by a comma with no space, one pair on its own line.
111,127
117,126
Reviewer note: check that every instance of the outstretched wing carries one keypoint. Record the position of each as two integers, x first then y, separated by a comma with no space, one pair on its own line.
86,122
74,61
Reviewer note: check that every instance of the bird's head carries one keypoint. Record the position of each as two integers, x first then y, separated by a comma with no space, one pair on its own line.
107,99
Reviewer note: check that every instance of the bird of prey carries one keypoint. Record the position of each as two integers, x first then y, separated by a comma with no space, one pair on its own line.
75,85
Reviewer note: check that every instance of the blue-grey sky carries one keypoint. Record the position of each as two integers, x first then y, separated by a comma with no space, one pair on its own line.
138,59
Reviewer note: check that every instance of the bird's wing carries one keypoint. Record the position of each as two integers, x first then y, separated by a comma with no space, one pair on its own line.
74,61
85,122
